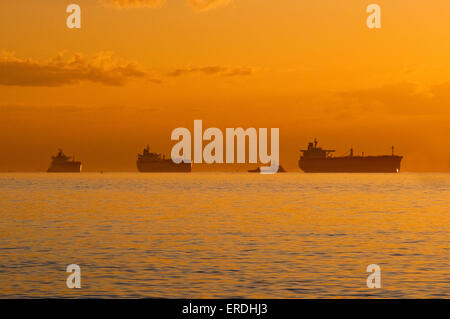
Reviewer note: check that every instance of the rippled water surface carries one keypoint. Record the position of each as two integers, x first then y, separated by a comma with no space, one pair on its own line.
214,235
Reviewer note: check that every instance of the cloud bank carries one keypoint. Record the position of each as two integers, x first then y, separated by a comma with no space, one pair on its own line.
212,70
204,5
102,68
401,98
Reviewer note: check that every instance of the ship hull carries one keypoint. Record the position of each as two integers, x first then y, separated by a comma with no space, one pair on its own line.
352,164
164,166
70,167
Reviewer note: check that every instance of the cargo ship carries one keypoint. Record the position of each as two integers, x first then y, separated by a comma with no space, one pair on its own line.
64,164
148,162
318,160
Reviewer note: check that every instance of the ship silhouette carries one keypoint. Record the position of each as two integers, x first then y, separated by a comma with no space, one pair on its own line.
318,160
149,162
64,164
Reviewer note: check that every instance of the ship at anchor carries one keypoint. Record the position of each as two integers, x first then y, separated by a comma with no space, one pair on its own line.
149,162
64,164
318,160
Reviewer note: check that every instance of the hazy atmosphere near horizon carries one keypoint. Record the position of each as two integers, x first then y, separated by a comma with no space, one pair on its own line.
234,149
138,69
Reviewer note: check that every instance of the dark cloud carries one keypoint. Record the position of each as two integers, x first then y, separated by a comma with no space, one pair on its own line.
212,70
59,71
239,72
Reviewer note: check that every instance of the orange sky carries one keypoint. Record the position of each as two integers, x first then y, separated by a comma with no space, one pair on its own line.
132,74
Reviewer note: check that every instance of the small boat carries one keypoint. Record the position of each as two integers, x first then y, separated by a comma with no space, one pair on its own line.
258,170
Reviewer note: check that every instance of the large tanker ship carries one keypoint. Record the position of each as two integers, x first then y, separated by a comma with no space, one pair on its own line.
64,164
148,162
318,160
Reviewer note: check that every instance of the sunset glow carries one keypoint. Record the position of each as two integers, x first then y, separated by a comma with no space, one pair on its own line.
138,69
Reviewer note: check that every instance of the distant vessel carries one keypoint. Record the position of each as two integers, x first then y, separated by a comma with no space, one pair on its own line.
258,170
318,160
152,162
63,164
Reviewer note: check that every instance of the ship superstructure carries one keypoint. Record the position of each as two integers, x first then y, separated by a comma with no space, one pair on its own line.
64,164
155,162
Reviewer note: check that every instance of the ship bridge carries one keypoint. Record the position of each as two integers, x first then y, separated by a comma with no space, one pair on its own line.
315,152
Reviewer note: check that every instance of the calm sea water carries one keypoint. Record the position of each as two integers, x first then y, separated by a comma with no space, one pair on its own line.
225,235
